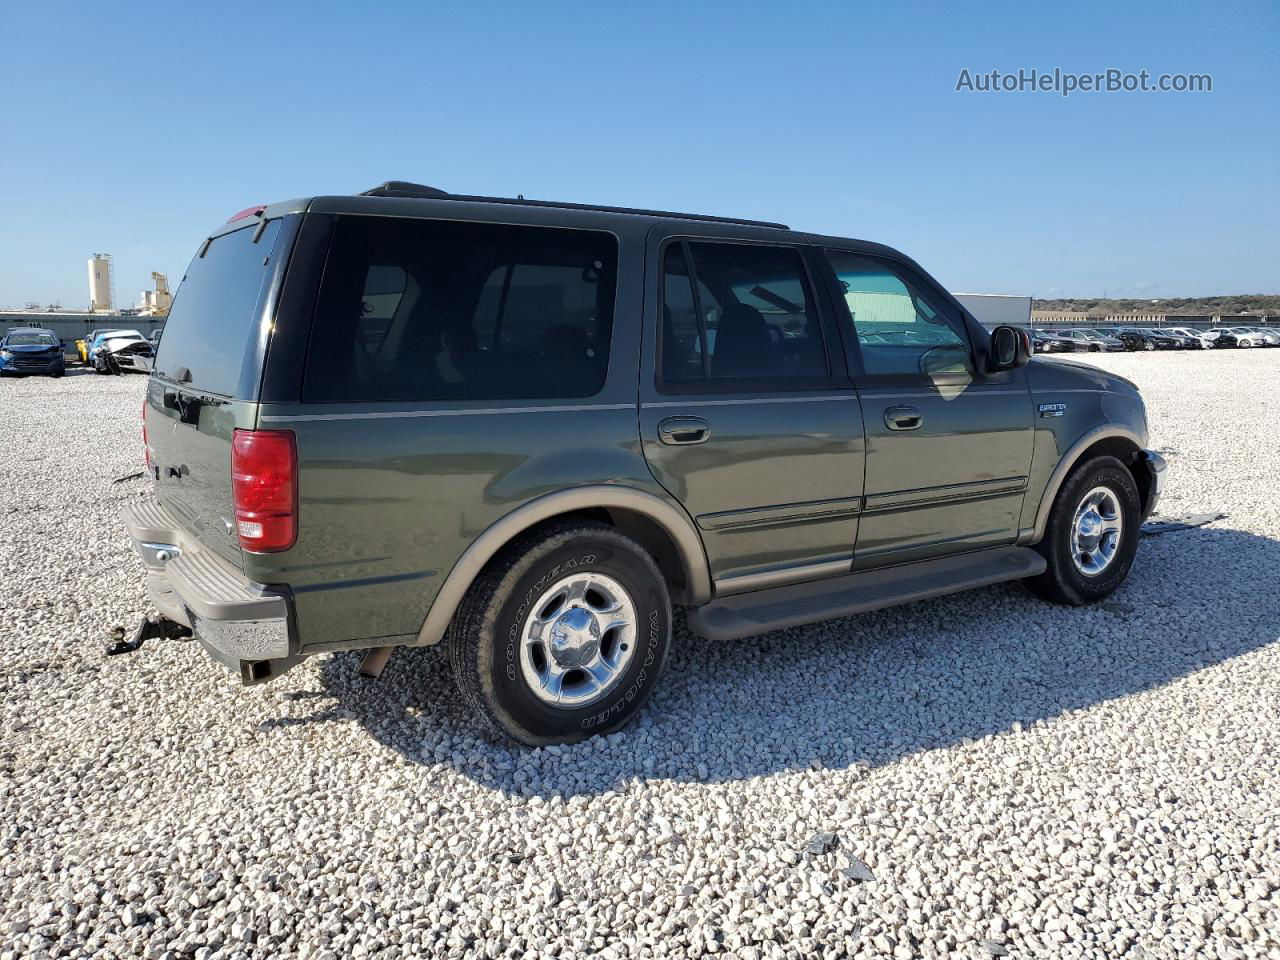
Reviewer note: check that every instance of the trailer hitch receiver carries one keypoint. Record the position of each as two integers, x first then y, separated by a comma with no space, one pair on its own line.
151,628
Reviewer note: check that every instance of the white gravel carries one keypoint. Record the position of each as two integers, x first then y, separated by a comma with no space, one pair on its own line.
1000,776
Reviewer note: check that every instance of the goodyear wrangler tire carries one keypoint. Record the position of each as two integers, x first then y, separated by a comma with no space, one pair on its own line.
1092,534
564,634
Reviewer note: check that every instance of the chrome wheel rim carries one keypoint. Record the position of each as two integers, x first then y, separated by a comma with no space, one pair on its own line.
578,640
1096,531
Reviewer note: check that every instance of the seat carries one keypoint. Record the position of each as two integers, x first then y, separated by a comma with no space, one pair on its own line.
743,347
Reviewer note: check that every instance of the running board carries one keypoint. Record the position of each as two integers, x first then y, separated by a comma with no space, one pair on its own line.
749,614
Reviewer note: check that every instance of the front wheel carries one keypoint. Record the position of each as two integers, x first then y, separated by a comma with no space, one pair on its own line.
1092,534
564,635
1148,345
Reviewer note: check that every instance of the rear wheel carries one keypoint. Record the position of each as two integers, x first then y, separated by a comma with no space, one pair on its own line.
564,635
1092,535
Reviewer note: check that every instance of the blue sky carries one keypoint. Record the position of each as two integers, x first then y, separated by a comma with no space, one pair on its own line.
135,130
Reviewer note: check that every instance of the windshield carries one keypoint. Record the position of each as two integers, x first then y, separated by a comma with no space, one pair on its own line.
30,340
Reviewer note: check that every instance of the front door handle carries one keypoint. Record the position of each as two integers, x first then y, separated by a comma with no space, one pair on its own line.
684,430
903,418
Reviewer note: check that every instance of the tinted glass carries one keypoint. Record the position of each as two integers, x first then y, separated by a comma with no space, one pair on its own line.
758,320
681,335
432,310
213,320
899,330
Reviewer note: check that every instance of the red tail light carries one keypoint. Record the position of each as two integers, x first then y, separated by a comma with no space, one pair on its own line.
146,447
264,489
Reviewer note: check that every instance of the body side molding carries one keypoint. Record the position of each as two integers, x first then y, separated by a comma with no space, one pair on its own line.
668,516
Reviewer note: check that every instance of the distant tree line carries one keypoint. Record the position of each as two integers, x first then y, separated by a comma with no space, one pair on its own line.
1258,304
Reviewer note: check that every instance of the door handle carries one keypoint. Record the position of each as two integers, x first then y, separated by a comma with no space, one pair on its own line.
903,418
684,430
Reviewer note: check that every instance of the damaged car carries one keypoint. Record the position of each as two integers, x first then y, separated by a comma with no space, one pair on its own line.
120,351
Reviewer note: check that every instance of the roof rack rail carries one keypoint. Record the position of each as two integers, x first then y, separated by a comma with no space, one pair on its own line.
404,188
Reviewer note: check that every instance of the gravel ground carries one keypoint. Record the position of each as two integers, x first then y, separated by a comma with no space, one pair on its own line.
982,775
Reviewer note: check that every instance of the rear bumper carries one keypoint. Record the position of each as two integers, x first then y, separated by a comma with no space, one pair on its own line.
247,626
1157,470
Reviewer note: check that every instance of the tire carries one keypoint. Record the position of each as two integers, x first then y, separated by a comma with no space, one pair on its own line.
498,672
1148,345
1064,581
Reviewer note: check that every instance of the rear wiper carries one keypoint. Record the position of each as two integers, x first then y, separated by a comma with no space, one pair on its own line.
188,405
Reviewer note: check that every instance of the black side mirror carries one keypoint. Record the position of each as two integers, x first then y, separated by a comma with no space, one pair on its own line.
1010,348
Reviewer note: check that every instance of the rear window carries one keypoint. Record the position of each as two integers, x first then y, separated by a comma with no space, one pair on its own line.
214,313
439,310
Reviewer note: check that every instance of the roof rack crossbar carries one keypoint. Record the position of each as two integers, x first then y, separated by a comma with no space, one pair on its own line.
403,188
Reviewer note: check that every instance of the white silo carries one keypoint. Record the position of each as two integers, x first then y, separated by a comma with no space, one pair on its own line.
100,283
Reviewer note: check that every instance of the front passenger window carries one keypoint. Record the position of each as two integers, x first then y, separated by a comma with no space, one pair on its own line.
899,331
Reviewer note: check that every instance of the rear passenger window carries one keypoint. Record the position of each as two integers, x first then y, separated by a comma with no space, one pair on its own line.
738,312
437,310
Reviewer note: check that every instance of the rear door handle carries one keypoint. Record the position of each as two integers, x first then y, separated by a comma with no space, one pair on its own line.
903,418
684,430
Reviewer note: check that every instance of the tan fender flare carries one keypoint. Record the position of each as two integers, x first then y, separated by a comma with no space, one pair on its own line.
1065,465
669,516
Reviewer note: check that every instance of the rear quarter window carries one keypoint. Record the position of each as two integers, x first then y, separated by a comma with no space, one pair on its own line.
213,318
440,310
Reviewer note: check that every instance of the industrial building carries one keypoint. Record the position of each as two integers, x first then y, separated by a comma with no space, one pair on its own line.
994,309
102,286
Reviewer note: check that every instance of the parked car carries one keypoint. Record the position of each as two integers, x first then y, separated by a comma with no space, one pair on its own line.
93,341
119,351
1143,338
1070,340
1131,339
1192,339
83,344
1181,341
533,464
1045,342
1246,337
31,350
1261,336
1221,337
1091,340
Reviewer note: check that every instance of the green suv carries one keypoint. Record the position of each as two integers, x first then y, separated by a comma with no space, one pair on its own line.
528,429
